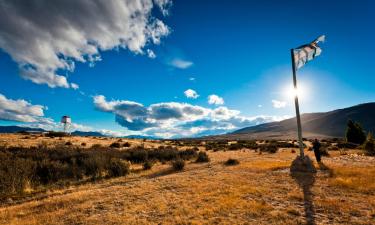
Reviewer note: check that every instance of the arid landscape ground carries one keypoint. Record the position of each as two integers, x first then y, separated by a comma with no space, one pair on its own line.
259,190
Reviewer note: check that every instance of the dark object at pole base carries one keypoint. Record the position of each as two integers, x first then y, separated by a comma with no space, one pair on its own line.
302,164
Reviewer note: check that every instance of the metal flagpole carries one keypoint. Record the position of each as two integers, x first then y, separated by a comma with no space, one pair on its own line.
299,127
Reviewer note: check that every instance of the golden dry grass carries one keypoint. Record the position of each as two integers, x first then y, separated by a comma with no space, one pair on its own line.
260,190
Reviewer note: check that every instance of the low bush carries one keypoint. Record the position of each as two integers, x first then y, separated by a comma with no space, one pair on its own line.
68,143
115,145
232,162
369,145
117,168
270,148
178,164
147,165
202,157
53,134
126,145
347,145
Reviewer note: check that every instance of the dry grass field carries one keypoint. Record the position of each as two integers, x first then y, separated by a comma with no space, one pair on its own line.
259,190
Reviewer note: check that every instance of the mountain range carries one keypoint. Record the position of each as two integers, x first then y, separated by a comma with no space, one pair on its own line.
314,125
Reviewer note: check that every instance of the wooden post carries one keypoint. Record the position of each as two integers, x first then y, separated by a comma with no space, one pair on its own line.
299,127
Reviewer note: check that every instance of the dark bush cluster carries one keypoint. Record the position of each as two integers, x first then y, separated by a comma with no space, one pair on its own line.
178,164
216,145
202,157
147,165
269,147
53,134
232,162
115,145
369,145
34,167
347,145
355,133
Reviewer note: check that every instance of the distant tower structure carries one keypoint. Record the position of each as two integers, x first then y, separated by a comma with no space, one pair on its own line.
66,121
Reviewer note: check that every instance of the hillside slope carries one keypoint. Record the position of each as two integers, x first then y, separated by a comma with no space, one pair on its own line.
327,124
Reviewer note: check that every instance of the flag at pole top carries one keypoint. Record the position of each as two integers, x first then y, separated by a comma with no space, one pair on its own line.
307,52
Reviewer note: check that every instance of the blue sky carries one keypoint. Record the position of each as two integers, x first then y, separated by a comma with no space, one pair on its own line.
237,50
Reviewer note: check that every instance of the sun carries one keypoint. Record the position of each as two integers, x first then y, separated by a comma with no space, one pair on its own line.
301,91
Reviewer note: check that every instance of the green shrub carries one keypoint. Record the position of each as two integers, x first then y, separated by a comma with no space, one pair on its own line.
116,168
178,164
232,162
147,165
202,157
369,145
355,133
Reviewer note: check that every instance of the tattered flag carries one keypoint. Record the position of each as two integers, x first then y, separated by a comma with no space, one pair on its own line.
308,52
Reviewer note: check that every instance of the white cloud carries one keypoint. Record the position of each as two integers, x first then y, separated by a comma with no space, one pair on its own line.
190,93
192,78
151,54
174,119
180,63
278,104
47,38
260,106
74,86
164,6
19,110
215,100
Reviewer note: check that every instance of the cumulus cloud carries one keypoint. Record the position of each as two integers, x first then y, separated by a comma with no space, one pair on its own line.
180,63
174,119
278,104
192,78
46,38
215,100
190,93
20,110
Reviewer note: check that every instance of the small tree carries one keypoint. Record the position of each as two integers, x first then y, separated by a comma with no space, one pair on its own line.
355,133
369,145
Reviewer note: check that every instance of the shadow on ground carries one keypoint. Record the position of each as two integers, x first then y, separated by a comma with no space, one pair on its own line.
303,172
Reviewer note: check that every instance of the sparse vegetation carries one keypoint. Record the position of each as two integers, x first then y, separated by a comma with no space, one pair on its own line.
260,188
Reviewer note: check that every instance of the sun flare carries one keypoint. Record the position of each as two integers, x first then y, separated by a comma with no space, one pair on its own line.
292,92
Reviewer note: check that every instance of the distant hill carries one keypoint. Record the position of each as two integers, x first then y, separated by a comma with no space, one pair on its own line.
320,125
16,129
88,133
